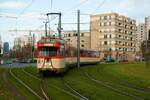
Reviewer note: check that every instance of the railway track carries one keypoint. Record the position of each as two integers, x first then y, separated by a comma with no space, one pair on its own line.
25,85
131,86
60,89
73,90
108,85
46,97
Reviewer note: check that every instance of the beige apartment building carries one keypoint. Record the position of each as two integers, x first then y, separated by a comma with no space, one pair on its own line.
23,40
114,35
147,26
141,35
71,38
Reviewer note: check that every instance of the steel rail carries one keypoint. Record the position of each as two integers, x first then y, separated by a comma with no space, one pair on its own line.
112,88
60,89
41,86
25,85
73,90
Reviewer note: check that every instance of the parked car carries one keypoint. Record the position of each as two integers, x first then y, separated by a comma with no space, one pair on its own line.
9,62
109,59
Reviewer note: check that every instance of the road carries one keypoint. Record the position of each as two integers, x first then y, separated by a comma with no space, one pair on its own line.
18,65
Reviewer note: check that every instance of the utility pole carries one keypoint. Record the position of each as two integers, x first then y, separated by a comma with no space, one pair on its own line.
33,41
30,45
46,28
78,39
59,27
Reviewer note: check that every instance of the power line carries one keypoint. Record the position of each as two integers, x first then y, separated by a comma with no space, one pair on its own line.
22,13
26,8
76,6
73,23
84,1
99,5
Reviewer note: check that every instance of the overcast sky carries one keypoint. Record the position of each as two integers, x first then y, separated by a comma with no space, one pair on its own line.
29,13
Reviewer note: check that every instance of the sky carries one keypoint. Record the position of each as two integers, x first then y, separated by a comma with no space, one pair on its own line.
30,14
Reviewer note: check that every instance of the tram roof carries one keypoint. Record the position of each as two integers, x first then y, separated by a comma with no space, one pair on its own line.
50,40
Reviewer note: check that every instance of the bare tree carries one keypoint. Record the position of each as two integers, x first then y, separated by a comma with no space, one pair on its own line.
145,48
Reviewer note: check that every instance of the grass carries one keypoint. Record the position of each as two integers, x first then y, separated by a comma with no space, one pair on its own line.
137,74
121,74
27,95
5,92
91,89
117,74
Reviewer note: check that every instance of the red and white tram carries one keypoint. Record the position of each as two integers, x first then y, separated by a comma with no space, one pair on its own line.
56,56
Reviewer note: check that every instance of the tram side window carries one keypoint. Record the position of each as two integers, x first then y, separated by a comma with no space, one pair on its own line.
48,51
83,53
96,54
86,53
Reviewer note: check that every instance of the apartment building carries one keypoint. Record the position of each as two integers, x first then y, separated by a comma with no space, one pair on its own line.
71,38
23,40
1,50
147,26
141,35
114,35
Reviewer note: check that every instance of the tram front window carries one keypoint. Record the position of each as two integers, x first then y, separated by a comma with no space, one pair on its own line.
48,51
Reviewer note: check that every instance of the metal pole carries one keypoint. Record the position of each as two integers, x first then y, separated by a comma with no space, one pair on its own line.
59,27
33,41
78,39
31,36
45,28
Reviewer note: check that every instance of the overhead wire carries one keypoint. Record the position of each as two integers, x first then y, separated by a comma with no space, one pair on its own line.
76,6
51,3
22,12
68,10
100,5
26,8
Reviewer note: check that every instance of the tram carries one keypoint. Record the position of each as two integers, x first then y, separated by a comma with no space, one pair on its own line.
55,55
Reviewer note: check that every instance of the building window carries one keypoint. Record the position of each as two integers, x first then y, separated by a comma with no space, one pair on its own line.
109,23
105,23
125,32
105,35
69,35
102,24
99,24
82,34
110,36
105,42
119,24
120,30
82,45
100,43
99,31
82,40
105,17
125,26
100,17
